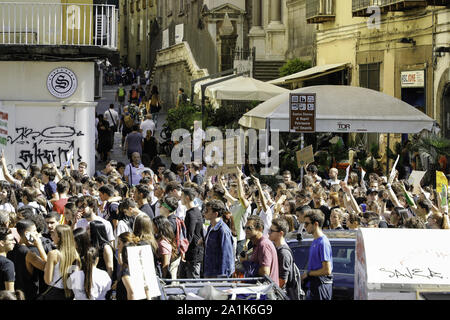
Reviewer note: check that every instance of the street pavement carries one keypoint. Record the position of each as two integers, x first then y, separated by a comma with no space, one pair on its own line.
116,152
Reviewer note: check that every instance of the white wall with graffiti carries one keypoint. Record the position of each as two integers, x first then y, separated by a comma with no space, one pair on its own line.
48,117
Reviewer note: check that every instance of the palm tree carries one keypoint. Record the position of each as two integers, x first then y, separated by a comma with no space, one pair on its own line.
431,146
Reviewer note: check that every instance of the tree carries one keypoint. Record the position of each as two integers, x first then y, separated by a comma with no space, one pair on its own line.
294,66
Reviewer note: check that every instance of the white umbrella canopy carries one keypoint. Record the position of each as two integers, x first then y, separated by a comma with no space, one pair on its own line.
243,88
343,109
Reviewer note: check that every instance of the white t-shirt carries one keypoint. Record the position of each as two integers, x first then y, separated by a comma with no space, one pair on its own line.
135,173
267,219
147,125
7,207
83,223
101,283
181,211
115,117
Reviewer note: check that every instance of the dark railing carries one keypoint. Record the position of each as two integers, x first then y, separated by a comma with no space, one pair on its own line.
318,11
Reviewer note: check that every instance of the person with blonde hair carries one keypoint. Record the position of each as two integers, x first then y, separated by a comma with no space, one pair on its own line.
60,263
336,218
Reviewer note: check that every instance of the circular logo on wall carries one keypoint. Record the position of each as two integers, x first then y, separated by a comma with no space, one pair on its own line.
62,83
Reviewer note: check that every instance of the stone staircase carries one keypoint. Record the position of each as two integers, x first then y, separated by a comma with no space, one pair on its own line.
266,70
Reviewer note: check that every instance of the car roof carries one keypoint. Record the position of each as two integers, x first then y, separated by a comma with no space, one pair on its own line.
332,235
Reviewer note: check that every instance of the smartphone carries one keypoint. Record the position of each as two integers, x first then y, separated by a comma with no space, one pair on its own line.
29,237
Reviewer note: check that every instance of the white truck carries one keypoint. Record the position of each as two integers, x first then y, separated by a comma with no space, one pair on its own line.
402,264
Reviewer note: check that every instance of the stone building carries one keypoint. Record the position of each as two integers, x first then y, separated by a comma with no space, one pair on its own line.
49,54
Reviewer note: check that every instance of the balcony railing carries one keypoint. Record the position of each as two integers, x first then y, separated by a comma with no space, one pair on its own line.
400,5
318,11
359,7
54,24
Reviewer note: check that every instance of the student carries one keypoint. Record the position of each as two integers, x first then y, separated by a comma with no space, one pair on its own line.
7,273
90,283
60,263
318,278
99,240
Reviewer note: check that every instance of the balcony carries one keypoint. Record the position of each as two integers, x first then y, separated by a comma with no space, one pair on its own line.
318,11
359,7
401,5
57,24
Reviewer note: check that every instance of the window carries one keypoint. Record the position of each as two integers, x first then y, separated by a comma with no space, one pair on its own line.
150,3
131,6
369,76
181,5
125,8
138,6
169,7
144,4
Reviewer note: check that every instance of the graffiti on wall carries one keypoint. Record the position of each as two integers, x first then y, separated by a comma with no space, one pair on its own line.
41,146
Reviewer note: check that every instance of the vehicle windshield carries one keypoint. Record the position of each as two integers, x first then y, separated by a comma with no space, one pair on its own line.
343,257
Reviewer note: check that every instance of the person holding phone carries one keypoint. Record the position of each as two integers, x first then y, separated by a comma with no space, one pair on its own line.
26,260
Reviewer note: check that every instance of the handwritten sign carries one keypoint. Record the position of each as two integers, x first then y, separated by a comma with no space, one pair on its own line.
414,179
305,156
421,257
142,271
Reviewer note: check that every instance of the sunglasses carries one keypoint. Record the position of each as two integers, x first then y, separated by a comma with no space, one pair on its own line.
307,223
250,228
271,231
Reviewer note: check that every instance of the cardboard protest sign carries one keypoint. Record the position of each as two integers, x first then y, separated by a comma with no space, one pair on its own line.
142,272
305,156
414,179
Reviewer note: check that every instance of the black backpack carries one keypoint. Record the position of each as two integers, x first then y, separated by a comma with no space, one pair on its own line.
294,284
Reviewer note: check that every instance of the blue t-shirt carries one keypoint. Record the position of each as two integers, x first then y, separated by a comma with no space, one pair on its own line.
50,189
320,251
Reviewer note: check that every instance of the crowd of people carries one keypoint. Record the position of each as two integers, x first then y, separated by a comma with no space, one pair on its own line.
64,234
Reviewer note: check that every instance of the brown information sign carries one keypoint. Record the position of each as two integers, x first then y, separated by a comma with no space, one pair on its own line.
302,112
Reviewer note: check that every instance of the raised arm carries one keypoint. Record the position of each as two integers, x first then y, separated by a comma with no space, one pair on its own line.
6,173
245,203
262,197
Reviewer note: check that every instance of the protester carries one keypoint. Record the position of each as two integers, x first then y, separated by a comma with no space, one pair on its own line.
219,259
318,278
264,253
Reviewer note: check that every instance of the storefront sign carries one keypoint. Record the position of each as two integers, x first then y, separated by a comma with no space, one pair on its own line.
413,79
62,83
302,112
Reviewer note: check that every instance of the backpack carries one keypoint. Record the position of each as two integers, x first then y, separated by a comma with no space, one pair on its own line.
181,237
121,92
134,94
293,286
129,121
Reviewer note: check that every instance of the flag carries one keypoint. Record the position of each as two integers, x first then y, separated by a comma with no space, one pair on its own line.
409,200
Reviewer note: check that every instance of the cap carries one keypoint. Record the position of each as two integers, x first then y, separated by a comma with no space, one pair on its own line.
370,191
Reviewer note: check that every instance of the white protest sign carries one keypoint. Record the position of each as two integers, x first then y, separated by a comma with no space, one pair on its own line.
392,175
142,272
347,171
414,179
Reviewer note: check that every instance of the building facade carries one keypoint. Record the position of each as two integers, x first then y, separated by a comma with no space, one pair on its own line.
137,25
388,46
49,52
